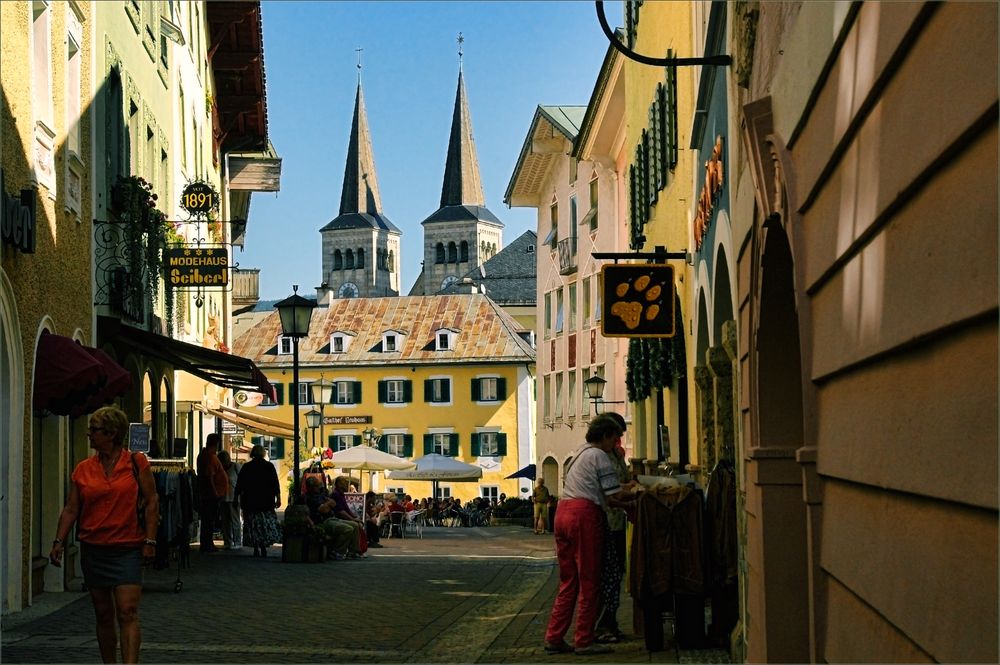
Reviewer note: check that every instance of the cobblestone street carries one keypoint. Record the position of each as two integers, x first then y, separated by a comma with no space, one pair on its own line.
456,595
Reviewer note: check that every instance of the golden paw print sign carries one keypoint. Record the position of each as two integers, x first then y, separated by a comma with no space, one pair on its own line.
638,300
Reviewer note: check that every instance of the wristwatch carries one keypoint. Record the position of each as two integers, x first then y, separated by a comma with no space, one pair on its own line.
57,541
149,541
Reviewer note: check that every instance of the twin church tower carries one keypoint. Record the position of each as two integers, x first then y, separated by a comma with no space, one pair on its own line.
362,249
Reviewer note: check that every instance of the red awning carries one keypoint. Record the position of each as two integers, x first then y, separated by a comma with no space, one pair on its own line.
66,376
116,381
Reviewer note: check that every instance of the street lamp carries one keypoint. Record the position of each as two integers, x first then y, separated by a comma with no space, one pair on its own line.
322,394
313,420
595,389
295,313
371,435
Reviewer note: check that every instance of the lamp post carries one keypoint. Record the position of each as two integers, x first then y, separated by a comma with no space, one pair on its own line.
595,390
322,394
295,313
313,420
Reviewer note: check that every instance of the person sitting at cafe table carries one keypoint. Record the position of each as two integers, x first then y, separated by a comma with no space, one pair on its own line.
343,512
322,512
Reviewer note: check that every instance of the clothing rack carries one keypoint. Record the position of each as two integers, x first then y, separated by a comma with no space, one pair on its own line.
175,487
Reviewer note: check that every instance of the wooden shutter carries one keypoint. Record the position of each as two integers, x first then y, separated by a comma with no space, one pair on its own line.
501,444
383,388
428,444
407,391
445,390
279,448
501,388
331,441
475,390
407,445
357,392
356,439
279,389
428,390
383,444
453,446
475,444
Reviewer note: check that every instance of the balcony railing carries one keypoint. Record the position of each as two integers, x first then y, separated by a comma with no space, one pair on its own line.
122,284
567,256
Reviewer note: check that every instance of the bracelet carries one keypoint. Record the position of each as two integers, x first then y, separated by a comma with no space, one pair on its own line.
149,541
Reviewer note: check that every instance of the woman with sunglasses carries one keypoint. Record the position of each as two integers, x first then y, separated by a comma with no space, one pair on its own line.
113,546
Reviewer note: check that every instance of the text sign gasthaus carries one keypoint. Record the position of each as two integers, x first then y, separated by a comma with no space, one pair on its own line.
192,266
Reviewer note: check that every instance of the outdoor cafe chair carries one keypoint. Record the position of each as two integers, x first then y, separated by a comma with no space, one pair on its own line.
396,522
415,523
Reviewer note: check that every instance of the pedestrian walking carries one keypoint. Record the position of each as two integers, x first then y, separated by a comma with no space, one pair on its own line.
591,483
212,484
116,539
259,494
540,499
232,529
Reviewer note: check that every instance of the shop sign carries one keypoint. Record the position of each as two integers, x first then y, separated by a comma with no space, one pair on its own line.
17,218
638,300
347,420
191,266
199,198
709,193
138,437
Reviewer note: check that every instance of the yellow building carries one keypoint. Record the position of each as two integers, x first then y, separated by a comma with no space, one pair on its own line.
447,374
659,101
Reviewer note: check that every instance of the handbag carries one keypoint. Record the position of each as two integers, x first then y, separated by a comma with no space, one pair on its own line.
140,499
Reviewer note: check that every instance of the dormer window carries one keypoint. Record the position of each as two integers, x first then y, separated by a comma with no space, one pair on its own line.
392,341
284,346
340,342
444,339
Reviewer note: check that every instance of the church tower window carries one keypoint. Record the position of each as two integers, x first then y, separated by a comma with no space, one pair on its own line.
360,260
439,253
452,253
349,261
338,260
463,255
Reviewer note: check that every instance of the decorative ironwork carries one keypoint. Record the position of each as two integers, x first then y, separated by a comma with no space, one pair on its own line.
125,294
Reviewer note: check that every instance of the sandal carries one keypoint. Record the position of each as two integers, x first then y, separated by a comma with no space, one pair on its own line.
609,638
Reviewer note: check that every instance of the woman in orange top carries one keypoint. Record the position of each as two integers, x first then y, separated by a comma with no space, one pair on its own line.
102,499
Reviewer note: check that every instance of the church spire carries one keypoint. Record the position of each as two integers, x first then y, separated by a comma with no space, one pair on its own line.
360,193
462,185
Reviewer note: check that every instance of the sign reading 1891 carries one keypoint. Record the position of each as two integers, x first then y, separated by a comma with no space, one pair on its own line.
199,198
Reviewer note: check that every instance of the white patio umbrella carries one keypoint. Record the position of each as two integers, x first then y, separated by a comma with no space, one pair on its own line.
368,458
439,467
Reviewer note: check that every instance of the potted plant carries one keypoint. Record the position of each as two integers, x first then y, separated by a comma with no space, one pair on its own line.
302,541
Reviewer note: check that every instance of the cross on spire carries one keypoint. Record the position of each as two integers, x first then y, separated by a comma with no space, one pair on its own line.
461,40
359,50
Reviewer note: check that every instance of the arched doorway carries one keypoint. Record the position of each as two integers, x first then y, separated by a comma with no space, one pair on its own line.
11,448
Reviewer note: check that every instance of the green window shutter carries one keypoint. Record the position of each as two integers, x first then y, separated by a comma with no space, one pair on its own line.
428,390
407,445
475,444
501,444
453,445
445,390
331,441
428,444
357,392
356,439
279,389
475,390
279,448
256,440
382,390
501,388
407,391
383,444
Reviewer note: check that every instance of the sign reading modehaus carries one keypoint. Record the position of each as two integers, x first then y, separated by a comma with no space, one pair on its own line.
192,266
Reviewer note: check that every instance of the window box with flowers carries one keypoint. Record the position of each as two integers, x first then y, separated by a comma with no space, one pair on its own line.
146,232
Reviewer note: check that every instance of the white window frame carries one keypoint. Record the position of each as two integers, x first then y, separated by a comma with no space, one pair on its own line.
491,395
444,339
571,394
559,395
585,293
284,345
444,492
435,390
395,443
337,344
491,440
305,395
343,389
572,306
389,343
442,442
398,491
343,439
41,61
394,391
490,492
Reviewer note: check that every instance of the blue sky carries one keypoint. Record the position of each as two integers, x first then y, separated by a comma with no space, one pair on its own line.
517,55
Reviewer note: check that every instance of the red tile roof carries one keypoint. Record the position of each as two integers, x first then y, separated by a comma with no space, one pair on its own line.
486,332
